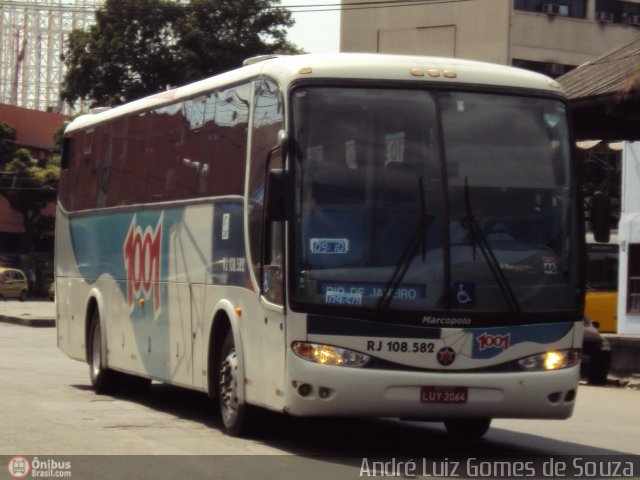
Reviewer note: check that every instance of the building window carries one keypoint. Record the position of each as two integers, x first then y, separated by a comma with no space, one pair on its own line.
553,70
613,11
633,287
565,8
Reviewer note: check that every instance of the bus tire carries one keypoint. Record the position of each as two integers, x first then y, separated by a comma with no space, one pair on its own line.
235,416
468,428
103,380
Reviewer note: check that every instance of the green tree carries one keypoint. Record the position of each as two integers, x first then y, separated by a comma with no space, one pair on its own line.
128,51
217,35
28,188
139,47
7,142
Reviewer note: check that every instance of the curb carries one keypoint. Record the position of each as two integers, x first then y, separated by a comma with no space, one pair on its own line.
29,322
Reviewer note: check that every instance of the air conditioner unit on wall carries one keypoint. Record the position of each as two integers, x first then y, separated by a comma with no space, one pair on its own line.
550,8
555,9
633,20
556,69
604,17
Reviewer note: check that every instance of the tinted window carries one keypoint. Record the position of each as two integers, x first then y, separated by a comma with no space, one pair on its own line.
185,150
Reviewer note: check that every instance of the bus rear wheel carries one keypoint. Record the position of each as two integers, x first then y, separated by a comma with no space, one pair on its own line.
235,416
103,380
468,428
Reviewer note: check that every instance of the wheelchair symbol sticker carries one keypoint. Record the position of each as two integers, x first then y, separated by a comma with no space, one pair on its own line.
464,293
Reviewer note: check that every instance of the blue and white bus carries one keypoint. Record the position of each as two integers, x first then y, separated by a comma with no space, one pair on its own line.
345,234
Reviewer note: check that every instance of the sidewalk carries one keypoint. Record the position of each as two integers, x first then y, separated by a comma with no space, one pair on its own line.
32,313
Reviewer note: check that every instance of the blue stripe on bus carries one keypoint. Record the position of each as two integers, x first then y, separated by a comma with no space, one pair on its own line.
489,342
126,243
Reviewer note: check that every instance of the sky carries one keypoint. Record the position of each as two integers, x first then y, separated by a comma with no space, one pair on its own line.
315,32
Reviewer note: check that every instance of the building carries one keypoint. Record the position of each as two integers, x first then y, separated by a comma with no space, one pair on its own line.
548,36
34,131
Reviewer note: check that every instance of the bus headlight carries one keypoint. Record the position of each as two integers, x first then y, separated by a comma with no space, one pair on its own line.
552,360
329,355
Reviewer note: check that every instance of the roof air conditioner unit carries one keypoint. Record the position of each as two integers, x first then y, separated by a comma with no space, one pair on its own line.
555,9
604,17
633,19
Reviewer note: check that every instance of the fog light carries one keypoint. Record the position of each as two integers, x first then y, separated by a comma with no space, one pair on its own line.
570,396
304,390
554,397
329,355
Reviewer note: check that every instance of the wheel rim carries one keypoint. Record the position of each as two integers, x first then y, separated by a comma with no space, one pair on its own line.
96,355
229,389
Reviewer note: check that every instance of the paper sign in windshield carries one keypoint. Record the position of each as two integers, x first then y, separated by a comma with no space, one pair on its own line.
334,246
372,290
550,267
333,297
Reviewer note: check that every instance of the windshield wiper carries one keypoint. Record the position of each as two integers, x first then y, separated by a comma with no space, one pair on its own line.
477,237
418,237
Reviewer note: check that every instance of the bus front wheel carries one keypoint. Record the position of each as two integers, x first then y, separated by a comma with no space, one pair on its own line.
102,379
467,427
235,415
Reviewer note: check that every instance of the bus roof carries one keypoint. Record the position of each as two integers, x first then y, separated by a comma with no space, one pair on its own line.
357,66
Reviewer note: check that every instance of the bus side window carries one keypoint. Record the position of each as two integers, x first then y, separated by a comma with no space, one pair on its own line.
273,254
163,181
84,173
65,173
225,151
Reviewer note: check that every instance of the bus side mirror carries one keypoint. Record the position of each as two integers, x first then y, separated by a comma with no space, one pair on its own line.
274,198
274,195
600,217
283,140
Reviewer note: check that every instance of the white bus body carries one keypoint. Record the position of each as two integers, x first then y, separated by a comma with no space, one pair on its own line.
426,262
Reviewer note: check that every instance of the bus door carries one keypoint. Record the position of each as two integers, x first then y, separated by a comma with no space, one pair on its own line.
272,300
266,240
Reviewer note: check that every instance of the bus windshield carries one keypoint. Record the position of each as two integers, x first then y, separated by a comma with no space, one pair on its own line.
422,200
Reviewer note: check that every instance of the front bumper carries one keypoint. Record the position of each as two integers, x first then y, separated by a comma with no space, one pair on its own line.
386,393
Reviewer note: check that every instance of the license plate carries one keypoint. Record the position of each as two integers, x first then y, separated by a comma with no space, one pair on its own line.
444,394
